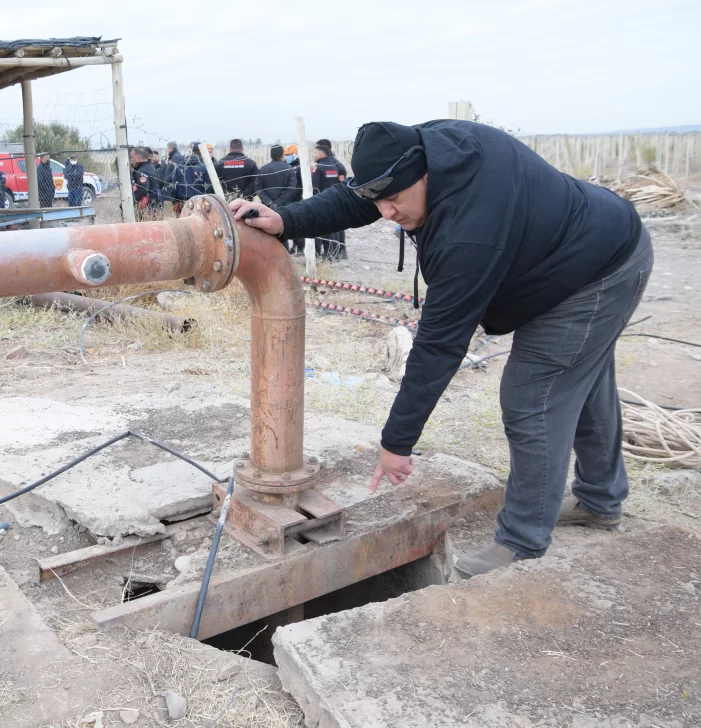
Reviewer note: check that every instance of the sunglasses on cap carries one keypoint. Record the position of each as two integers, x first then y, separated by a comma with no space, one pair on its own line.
371,190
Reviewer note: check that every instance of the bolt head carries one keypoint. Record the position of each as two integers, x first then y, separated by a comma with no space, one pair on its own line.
206,286
191,204
310,468
206,207
217,232
240,465
286,476
256,473
245,455
313,459
218,266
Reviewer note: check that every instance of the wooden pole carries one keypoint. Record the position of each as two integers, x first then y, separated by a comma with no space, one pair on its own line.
305,169
213,177
30,151
120,135
453,110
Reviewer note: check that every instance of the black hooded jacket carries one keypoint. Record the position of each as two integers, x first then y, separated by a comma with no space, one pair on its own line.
237,172
507,238
327,173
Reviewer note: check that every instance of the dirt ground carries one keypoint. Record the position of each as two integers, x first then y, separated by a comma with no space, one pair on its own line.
345,379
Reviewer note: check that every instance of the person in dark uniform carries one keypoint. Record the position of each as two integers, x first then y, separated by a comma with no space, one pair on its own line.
45,181
170,163
4,201
341,166
276,183
326,174
237,172
506,240
73,173
191,178
144,183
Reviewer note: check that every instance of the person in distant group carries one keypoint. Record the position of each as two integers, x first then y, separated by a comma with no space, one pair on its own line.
170,163
144,183
45,181
191,179
296,245
4,201
73,174
326,174
237,172
341,166
276,183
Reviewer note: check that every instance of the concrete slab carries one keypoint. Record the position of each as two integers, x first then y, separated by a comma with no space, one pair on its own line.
131,487
607,638
33,664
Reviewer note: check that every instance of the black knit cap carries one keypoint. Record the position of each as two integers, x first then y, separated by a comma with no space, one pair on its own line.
378,145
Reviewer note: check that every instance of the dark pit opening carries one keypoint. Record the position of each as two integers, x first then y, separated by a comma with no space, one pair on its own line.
137,589
389,585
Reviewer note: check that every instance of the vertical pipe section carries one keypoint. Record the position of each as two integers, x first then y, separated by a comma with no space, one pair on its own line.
30,150
277,351
120,135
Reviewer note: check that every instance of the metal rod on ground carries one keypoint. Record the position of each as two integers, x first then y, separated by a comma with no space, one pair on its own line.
120,135
213,178
30,151
307,191
70,302
212,556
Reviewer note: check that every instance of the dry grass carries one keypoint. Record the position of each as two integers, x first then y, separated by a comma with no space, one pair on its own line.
135,668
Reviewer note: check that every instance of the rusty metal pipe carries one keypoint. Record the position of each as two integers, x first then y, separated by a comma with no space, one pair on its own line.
69,302
207,245
60,259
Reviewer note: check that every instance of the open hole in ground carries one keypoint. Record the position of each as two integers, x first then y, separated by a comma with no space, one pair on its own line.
410,577
138,589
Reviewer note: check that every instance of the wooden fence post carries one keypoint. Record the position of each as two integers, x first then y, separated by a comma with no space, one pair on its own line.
304,166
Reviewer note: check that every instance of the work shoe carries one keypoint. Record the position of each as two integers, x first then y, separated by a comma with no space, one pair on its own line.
571,514
491,557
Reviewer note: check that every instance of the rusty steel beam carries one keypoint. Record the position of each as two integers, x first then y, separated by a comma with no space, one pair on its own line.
68,302
236,598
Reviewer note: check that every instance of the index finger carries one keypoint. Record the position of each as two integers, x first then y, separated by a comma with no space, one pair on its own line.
376,478
235,204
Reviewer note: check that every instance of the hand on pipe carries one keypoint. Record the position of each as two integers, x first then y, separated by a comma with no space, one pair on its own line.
397,468
267,220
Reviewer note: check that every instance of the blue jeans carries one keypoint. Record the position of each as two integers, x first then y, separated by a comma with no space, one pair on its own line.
559,391
75,197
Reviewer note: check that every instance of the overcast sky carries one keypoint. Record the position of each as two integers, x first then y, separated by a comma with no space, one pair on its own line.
214,69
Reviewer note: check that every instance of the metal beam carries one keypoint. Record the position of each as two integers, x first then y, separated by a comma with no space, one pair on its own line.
59,62
236,598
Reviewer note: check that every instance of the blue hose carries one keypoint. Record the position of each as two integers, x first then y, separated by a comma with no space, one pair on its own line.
212,556
5,525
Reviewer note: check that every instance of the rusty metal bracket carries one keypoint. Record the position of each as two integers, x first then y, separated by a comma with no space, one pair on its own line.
269,528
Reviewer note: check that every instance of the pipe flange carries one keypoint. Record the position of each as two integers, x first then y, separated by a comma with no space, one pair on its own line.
222,256
295,481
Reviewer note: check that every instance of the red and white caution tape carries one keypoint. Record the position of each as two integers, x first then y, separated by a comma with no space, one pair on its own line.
358,288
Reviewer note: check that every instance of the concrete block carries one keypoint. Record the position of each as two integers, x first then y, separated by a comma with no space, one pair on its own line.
607,638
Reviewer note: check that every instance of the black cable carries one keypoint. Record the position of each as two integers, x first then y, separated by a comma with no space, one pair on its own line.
665,338
210,559
186,459
97,449
70,465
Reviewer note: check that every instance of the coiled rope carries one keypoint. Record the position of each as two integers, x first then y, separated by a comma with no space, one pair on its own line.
655,435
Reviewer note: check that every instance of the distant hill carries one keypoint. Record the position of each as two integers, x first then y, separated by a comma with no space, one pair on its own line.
683,129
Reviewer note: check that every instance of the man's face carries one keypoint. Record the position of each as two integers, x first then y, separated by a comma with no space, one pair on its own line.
318,154
408,207
135,159
45,158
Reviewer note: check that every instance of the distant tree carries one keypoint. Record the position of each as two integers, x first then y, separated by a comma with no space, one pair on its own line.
259,141
53,138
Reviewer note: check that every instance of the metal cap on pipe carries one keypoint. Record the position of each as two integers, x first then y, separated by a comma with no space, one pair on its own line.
88,267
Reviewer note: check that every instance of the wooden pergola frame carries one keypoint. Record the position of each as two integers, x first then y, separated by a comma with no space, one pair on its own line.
24,61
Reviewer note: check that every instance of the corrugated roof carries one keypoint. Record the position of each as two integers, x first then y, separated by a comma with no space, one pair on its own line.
66,48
